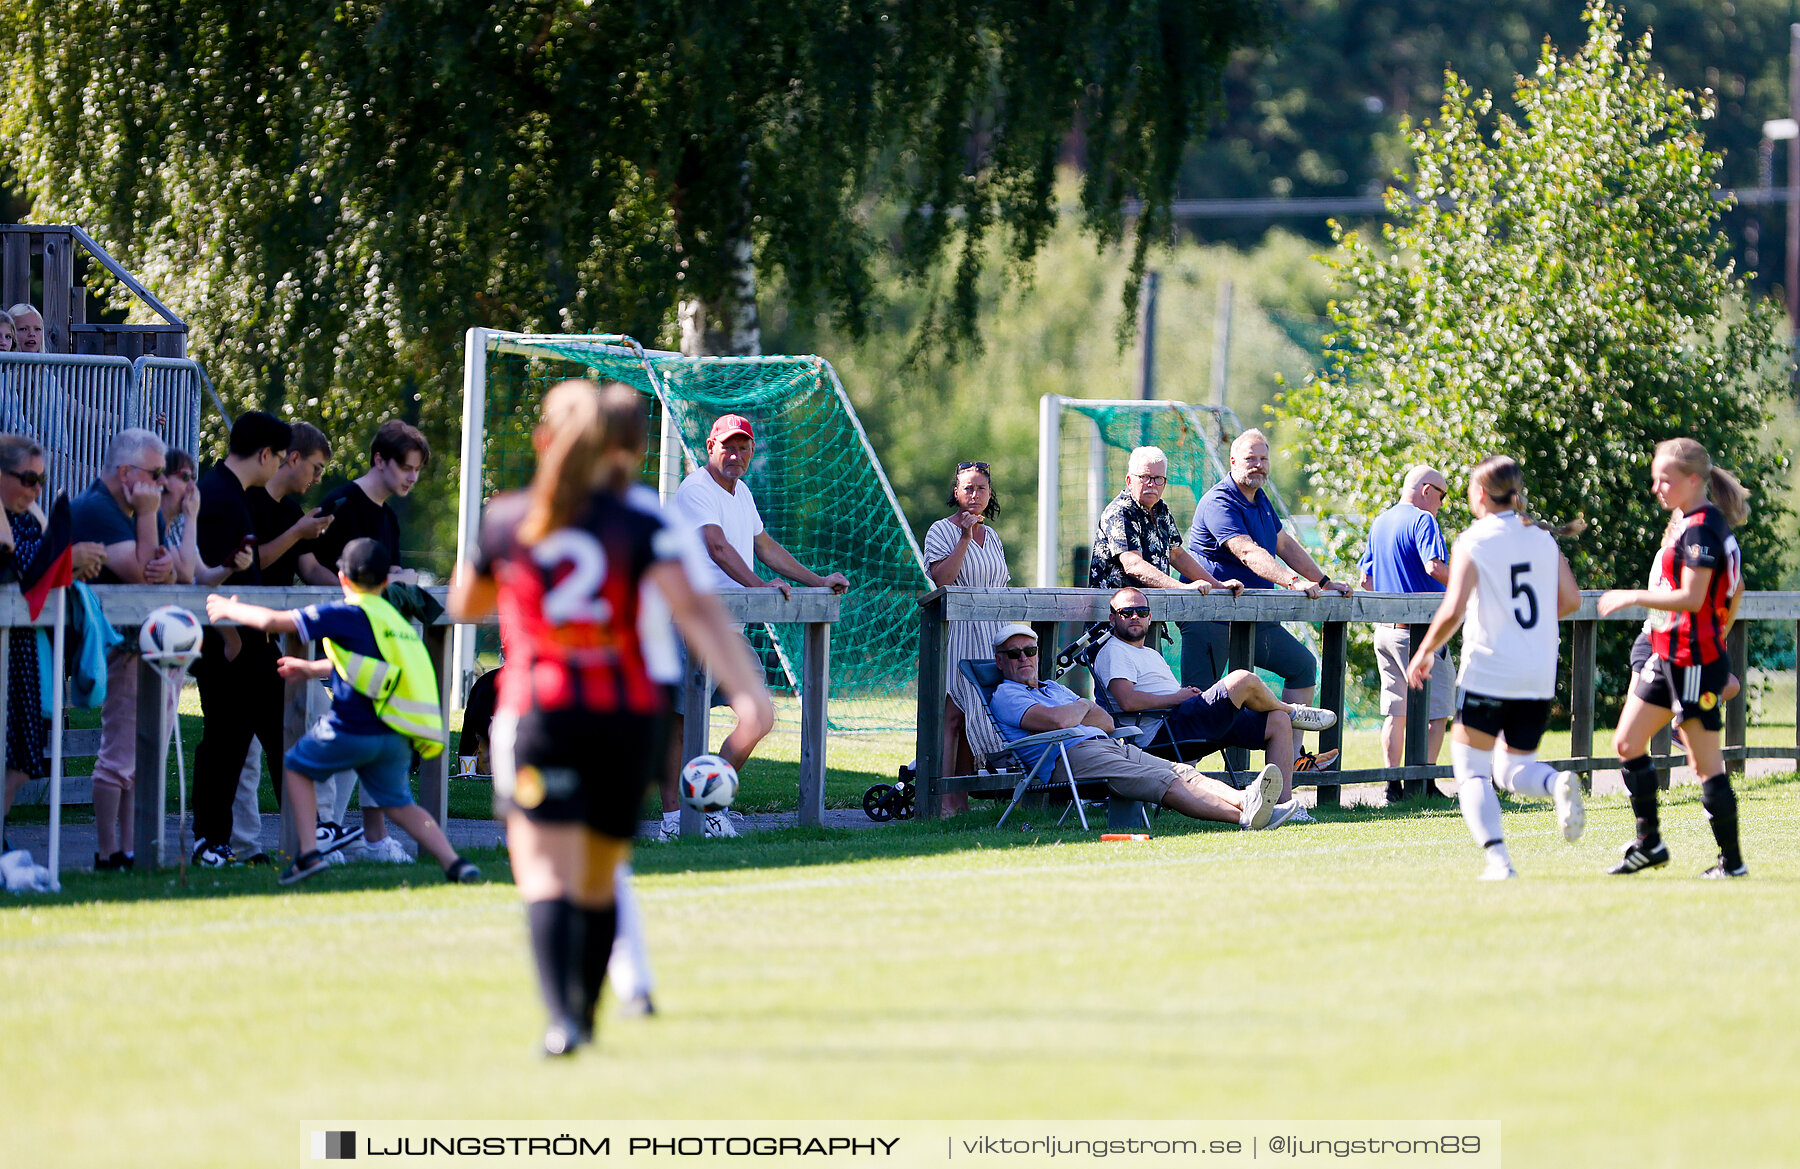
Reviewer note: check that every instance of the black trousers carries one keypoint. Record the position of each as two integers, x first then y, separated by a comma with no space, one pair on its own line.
240,699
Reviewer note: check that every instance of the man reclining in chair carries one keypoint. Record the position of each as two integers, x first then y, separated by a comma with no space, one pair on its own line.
1024,705
1239,710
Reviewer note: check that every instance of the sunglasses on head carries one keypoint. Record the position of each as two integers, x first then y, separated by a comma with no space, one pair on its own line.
30,478
982,467
1134,611
1024,651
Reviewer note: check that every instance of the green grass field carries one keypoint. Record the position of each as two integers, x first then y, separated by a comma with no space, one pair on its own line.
1349,970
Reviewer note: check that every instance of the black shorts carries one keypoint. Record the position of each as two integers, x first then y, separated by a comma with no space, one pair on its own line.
1520,720
1691,692
575,767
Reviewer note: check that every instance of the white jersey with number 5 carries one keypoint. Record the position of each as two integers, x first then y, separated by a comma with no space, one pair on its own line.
1510,632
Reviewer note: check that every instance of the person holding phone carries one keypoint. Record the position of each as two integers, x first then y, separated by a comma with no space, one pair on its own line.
240,689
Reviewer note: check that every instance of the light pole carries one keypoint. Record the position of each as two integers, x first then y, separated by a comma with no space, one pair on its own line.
1786,130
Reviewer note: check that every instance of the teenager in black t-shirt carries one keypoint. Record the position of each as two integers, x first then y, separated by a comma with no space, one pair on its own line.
240,691
285,529
360,509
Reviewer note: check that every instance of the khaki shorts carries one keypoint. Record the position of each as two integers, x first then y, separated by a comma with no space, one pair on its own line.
1129,773
1393,650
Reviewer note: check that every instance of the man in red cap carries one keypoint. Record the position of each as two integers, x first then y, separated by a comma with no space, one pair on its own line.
715,504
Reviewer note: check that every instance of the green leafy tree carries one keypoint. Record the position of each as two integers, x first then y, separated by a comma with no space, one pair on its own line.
1551,287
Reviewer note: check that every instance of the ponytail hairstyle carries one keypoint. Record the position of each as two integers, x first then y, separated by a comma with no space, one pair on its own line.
583,424
1722,487
1501,480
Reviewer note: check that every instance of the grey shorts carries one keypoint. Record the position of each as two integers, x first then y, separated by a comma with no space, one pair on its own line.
1393,650
1129,773
718,696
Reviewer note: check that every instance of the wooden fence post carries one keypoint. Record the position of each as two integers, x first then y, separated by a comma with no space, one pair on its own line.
815,681
1334,657
1660,744
934,653
295,838
434,774
1737,710
1240,654
1418,726
1581,699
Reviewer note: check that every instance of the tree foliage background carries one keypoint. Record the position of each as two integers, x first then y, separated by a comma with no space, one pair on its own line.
1552,286
331,192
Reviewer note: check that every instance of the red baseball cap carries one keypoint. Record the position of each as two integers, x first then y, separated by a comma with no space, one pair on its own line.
728,425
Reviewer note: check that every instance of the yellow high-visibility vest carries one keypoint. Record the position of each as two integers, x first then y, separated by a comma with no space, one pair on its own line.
400,683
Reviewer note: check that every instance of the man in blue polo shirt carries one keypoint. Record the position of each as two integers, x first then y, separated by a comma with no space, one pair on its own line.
1238,536
1406,554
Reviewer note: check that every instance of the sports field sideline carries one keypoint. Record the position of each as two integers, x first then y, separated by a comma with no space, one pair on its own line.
1352,969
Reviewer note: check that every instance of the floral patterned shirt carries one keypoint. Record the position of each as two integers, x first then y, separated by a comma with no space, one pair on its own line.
1126,527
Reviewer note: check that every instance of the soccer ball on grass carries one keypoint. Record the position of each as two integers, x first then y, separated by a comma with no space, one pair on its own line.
708,783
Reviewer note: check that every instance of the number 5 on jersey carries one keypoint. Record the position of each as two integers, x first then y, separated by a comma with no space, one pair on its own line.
1529,617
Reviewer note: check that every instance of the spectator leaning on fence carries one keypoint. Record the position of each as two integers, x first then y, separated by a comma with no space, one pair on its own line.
1024,704
21,487
1238,536
240,689
1136,541
716,504
964,550
180,504
122,510
28,324
1406,554
363,509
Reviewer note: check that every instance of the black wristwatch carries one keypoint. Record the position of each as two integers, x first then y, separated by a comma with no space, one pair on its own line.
1323,581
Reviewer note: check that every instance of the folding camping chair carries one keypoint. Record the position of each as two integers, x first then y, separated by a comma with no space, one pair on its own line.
985,677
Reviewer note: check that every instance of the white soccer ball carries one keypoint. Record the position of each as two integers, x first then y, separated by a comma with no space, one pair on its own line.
708,784
170,636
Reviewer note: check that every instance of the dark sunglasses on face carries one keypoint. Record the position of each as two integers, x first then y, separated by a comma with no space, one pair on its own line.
1024,651
29,478
1134,611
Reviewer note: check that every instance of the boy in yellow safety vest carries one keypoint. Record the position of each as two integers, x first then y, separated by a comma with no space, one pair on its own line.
384,702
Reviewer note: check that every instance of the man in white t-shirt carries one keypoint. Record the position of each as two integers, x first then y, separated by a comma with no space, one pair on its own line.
1239,710
715,504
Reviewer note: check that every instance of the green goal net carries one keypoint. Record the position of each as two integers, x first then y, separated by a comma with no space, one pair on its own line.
817,483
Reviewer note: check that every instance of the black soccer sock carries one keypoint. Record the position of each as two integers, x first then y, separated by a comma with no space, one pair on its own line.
553,945
1720,803
1640,781
596,952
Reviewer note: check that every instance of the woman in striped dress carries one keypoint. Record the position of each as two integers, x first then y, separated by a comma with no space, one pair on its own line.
963,550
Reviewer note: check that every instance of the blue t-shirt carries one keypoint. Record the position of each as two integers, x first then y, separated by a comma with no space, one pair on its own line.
1013,699
1222,513
347,626
96,516
1402,541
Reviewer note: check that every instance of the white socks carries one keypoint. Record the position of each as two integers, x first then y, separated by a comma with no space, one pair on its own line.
1475,795
629,968
1522,774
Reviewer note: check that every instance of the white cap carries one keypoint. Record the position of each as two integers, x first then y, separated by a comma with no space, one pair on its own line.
1013,630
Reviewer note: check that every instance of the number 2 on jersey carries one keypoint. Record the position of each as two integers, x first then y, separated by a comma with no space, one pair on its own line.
576,597
1520,588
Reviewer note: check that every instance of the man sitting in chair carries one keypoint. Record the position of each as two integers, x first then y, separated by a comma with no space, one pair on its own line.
1024,704
1239,710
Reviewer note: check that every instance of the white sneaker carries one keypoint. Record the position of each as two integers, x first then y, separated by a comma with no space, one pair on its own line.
387,850
1571,815
719,824
336,858
671,826
1498,869
1260,797
1283,814
1301,815
1312,718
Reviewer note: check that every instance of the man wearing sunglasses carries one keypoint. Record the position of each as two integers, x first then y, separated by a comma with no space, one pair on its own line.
1406,554
1239,710
1025,704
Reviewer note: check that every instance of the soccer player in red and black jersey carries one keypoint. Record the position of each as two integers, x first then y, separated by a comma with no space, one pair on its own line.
564,562
1679,665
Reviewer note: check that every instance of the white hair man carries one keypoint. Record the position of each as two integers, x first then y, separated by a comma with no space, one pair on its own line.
122,510
1406,554
1136,542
